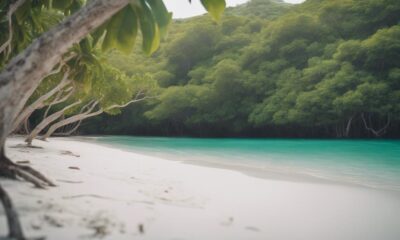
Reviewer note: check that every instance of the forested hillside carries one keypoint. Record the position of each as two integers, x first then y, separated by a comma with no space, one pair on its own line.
320,69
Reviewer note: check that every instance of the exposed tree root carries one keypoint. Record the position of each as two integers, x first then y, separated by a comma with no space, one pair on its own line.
26,146
11,170
36,174
14,226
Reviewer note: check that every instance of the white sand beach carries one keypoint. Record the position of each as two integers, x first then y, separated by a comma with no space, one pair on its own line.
106,193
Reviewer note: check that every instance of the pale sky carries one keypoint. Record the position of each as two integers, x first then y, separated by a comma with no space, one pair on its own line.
182,8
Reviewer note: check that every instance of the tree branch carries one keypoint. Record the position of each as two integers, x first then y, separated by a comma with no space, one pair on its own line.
7,44
59,99
377,133
39,103
14,226
88,114
25,71
70,131
45,122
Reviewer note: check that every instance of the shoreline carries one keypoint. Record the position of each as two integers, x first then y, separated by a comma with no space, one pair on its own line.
116,194
249,170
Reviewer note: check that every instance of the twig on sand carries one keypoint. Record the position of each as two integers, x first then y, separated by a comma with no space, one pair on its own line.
52,221
254,229
23,162
141,228
68,181
26,146
69,153
106,198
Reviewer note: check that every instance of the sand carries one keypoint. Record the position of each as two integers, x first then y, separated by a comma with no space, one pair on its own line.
106,193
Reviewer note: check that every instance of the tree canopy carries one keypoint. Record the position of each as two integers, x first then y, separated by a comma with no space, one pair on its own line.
273,69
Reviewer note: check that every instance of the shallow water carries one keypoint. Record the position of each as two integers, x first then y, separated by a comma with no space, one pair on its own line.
370,163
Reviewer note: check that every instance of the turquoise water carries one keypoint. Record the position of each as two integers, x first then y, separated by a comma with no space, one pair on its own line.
371,163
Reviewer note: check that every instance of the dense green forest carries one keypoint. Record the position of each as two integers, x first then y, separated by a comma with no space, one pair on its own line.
270,69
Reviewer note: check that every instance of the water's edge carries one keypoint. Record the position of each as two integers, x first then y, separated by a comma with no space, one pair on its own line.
387,183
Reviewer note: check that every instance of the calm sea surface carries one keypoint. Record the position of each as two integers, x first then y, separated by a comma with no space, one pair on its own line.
370,163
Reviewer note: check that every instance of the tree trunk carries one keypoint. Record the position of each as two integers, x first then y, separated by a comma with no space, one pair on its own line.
59,99
70,131
348,126
22,75
48,120
79,117
14,226
25,71
11,170
76,118
87,114
369,127
338,130
92,104
39,103
27,126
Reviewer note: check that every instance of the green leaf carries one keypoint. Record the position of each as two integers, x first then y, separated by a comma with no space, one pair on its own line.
214,7
23,11
161,15
85,46
122,31
99,33
62,4
149,28
87,52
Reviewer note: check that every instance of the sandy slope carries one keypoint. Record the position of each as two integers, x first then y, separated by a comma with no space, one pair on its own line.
116,194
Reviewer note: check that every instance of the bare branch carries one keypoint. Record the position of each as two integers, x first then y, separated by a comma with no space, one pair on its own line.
88,114
70,131
26,126
136,99
126,104
39,103
59,99
6,46
45,122
379,132
93,103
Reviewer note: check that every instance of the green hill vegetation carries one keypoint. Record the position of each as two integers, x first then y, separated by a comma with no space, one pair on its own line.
319,69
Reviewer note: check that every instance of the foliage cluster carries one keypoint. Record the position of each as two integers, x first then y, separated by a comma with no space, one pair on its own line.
323,68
